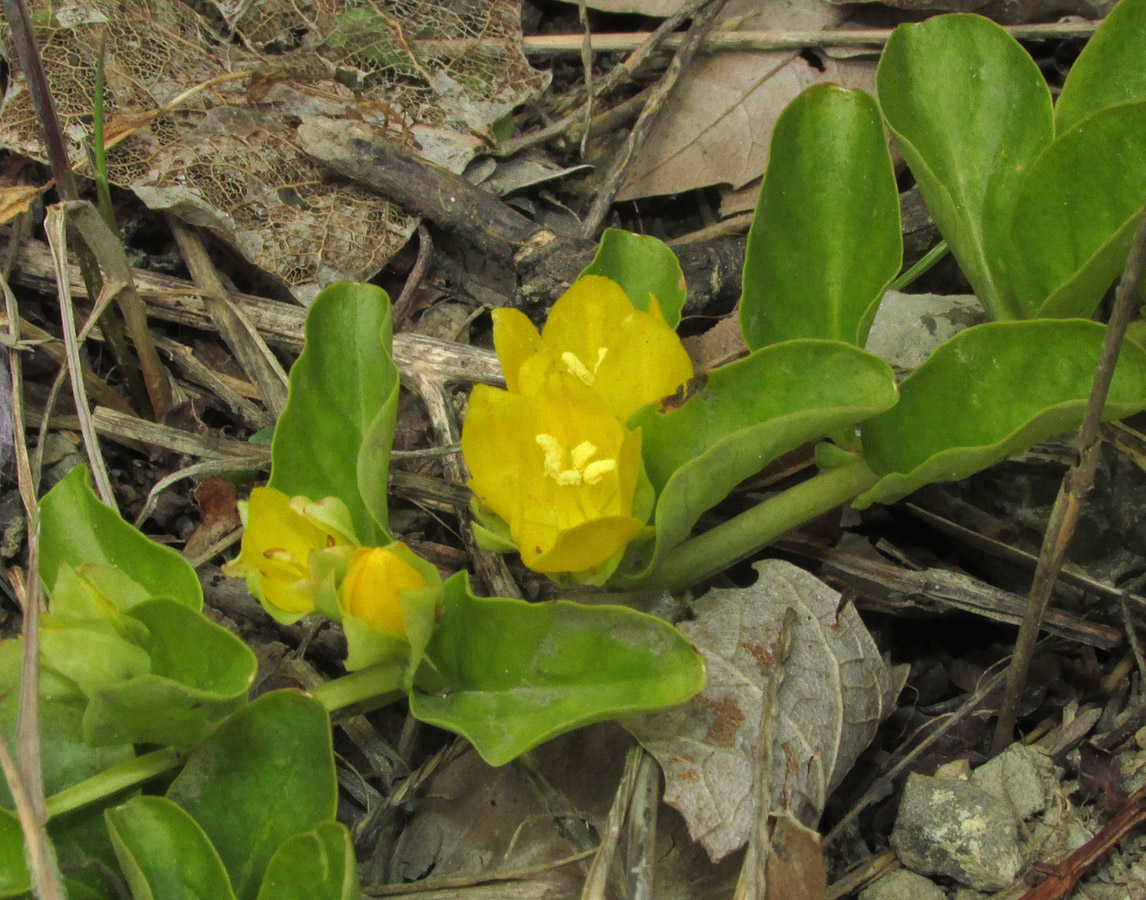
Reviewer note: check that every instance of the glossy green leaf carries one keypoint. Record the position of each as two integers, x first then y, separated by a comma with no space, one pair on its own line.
1110,69
335,435
91,652
825,241
989,392
747,414
164,854
1077,212
267,773
199,672
971,113
85,852
15,878
644,267
316,865
76,528
510,674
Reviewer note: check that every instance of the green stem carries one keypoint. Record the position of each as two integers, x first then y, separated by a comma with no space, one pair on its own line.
371,687
732,541
110,781
929,259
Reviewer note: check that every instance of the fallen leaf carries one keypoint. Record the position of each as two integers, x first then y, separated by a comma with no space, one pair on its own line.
1005,11
16,200
836,691
795,868
6,445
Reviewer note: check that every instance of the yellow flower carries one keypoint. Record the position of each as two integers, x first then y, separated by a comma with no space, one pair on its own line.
558,468
370,591
281,534
627,357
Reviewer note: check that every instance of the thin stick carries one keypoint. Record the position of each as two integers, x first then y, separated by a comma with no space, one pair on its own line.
622,164
1071,495
404,305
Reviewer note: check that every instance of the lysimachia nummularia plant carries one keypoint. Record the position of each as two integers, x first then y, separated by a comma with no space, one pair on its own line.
595,464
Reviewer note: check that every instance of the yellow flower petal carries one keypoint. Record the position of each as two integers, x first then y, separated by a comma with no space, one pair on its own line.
516,340
370,591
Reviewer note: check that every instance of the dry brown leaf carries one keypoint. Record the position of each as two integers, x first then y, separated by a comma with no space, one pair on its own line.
1008,12
796,869
836,691
241,75
717,125
15,200
661,8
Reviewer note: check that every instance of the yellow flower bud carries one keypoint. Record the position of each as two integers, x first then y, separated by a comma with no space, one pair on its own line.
370,591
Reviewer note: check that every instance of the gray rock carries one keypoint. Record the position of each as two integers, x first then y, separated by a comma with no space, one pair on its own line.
1017,777
968,894
902,885
953,828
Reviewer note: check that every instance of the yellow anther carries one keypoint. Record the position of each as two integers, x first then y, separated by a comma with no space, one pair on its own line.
554,454
569,478
575,367
279,554
595,471
582,453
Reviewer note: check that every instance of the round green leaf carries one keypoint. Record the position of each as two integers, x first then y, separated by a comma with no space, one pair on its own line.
164,854
15,879
1109,71
265,774
747,414
76,528
971,112
1077,212
199,672
989,392
644,267
825,241
510,674
334,437
317,865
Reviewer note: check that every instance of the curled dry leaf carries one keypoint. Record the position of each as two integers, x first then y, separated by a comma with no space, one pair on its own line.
836,691
5,411
432,74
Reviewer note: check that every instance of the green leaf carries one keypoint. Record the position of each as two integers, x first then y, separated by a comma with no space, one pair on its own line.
514,674
93,653
642,265
15,879
164,854
317,865
1109,71
991,391
825,241
971,112
1077,212
199,672
747,414
76,528
265,774
334,437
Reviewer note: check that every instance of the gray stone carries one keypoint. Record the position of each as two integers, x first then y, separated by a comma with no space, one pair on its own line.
902,884
954,829
968,894
1017,777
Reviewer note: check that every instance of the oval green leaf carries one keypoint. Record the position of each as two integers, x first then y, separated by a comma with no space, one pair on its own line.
989,392
267,773
1109,71
747,414
1077,212
199,673
971,112
15,879
644,267
76,528
510,674
825,241
164,854
317,865
334,437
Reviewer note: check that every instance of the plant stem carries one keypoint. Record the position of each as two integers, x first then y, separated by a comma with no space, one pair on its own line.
757,527
125,775
372,687
923,264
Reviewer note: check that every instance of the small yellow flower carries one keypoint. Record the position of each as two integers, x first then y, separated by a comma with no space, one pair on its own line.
370,591
626,356
281,534
558,467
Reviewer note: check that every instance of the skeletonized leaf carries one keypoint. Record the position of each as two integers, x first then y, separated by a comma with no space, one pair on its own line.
836,691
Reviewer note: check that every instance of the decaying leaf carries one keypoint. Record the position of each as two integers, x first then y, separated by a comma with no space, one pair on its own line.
207,97
717,125
836,691
5,410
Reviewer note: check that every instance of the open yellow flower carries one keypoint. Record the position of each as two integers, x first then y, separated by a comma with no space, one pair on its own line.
370,591
558,467
281,534
624,355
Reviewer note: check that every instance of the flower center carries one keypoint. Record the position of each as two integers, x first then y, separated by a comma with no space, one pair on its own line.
574,366
571,467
